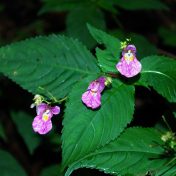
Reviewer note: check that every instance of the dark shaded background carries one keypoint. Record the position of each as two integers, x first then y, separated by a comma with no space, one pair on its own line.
19,19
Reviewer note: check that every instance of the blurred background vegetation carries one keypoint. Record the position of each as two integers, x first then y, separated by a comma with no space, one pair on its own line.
151,25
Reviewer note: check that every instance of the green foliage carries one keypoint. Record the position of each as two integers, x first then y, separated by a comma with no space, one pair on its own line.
144,47
88,130
77,20
134,152
53,170
160,73
47,65
65,5
23,122
59,5
107,5
52,65
9,166
78,16
168,36
139,5
108,57
168,170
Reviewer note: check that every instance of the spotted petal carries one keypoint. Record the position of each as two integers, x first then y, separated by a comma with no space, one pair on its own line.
91,100
41,108
55,110
129,69
97,85
41,126
101,80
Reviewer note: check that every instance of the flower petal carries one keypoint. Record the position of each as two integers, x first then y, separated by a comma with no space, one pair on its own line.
40,126
47,115
101,80
129,69
97,85
92,100
55,110
46,127
41,108
132,48
94,85
37,123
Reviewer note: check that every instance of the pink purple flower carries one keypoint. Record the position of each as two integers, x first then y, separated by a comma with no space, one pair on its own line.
42,122
92,97
128,65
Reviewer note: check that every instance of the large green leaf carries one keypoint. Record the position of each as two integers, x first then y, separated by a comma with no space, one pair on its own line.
23,122
134,152
86,130
109,57
9,166
77,20
168,170
49,65
160,73
138,4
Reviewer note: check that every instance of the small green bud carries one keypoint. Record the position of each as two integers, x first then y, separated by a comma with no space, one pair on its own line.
173,144
125,43
38,99
108,81
167,136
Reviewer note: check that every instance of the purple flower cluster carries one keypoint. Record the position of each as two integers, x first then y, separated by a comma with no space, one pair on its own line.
129,66
42,122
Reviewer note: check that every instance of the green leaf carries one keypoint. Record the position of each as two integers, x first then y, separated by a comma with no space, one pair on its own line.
168,36
107,58
107,5
139,5
134,152
86,130
53,170
23,122
160,73
77,20
59,5
47,65
119,33
9,166
168,170
144,47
